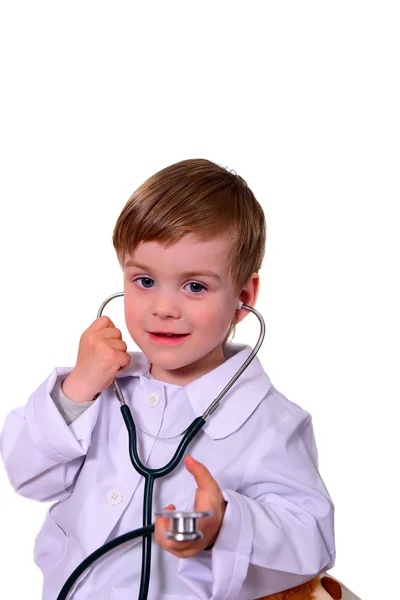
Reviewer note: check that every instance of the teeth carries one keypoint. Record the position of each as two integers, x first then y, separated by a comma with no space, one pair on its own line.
166,334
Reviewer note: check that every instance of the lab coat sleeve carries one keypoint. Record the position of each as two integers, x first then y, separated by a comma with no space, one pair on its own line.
278,529
42,455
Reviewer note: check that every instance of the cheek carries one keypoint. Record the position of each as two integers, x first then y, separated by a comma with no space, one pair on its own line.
214,317
130,309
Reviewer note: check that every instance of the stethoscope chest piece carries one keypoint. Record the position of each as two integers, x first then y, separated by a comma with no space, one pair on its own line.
183,525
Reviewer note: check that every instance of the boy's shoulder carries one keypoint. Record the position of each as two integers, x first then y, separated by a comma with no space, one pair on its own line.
284,405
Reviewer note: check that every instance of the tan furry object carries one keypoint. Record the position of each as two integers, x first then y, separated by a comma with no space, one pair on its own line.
300,592
322,587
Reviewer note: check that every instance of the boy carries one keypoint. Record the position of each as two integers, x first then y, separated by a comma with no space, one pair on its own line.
190,242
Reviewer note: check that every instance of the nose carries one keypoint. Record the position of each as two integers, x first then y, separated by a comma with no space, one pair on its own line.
165,306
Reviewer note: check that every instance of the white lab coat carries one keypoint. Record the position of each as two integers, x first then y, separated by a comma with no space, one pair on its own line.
278,527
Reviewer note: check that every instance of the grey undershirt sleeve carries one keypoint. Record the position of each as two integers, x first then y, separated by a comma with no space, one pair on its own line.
69,409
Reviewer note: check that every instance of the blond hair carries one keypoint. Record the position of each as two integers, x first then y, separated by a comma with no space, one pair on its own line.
199,197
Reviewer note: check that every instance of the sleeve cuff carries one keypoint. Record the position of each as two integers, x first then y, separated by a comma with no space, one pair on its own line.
47,428
69,409
230,556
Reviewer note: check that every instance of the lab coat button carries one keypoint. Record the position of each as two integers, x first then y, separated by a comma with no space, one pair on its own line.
153,400
114,496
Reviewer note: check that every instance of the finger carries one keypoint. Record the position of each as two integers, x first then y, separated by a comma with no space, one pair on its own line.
162,525
124,360
110,333
101,323
118,345
164,521
202,475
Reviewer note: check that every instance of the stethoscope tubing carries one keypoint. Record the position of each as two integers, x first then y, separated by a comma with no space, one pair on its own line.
150,475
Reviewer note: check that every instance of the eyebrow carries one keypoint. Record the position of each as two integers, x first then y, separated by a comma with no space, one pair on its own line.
203,273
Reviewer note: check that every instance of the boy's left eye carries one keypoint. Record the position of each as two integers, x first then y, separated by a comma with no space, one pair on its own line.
197,284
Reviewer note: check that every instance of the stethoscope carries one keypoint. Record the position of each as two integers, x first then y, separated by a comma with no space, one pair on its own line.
183,526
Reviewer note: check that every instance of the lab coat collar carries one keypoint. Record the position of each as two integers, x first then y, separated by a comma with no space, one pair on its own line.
241,399
238,403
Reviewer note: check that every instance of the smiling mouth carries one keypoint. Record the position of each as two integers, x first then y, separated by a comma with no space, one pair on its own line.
171,335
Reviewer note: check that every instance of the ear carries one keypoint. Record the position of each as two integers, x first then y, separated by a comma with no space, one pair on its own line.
248,295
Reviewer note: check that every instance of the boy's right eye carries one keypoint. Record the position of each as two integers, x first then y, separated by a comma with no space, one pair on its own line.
145,279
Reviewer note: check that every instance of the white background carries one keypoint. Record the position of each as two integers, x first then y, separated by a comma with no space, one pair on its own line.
302,100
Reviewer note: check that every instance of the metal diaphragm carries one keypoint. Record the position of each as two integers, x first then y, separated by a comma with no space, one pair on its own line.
183,525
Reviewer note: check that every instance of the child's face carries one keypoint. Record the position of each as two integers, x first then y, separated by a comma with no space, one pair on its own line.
168,292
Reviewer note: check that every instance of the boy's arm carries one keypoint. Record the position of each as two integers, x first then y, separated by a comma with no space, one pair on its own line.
277,530
42,455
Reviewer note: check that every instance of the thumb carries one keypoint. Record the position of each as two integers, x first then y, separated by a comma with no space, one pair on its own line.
201,474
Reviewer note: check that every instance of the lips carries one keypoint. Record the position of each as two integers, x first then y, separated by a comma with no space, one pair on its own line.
168,334
168,340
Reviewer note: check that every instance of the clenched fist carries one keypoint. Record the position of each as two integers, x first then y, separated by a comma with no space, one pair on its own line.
101,354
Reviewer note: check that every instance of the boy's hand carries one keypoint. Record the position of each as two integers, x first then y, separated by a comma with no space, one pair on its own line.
102,353
208,498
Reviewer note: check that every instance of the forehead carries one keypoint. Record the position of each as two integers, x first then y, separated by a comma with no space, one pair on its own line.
189,253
